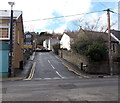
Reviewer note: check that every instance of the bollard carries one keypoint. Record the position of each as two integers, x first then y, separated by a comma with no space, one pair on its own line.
81,66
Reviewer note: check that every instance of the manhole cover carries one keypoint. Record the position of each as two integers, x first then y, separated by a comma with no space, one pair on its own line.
68,86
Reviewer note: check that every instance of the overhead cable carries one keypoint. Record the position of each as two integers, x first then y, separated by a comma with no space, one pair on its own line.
63,16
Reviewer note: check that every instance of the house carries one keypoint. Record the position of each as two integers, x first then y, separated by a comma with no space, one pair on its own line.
69,38
92,67
18,34
45,44
48,43
29,42
116,46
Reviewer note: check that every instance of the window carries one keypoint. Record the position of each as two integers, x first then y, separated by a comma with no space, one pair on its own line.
28,36
5,32
28,43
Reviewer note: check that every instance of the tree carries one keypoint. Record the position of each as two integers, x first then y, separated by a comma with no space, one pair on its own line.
94,25
94,48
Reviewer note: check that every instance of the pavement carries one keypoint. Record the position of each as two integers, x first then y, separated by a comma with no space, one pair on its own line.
27,68
83,74
78,71
24,73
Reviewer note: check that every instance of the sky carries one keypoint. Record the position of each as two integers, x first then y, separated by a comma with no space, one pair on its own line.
36,13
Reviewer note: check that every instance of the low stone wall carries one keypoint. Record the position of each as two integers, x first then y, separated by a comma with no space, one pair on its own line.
92,67
97,67
73,58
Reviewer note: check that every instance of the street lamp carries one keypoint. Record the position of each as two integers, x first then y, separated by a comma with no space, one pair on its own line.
11,38
11,3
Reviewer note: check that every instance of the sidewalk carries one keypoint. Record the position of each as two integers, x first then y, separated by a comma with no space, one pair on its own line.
24,73
78,71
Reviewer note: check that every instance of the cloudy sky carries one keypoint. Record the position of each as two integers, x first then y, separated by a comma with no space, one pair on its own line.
36,13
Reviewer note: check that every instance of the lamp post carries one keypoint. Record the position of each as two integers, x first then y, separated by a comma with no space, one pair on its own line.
11,38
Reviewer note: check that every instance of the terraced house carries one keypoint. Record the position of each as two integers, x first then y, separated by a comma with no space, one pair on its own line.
18,33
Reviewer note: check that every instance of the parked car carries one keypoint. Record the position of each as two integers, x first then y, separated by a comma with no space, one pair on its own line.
38,50
42,50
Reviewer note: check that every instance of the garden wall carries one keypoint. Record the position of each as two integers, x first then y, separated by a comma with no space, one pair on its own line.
92,67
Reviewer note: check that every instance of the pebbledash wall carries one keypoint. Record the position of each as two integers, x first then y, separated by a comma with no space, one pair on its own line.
92,67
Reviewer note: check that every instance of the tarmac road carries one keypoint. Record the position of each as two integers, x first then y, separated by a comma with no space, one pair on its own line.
49,66
75,89
50,80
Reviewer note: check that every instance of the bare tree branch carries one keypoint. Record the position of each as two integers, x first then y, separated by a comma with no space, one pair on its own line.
111,25
96,25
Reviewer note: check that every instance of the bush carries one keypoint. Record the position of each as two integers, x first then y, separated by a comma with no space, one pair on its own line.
94,48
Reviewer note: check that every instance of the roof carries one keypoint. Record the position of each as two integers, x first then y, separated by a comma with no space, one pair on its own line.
72,34
56,37
97,34
76,34
7,14
116,33
28,33
52,40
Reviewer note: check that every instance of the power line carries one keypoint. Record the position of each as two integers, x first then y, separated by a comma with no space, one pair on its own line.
116,13
64,16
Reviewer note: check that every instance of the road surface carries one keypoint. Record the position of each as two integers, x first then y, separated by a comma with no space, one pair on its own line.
50,80
49,66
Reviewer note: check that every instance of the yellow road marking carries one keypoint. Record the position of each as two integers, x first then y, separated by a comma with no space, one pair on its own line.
70,69
32,71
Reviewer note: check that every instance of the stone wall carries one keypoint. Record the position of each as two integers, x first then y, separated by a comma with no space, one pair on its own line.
92,67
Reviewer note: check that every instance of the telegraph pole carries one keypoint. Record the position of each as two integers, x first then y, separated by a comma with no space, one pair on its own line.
109,43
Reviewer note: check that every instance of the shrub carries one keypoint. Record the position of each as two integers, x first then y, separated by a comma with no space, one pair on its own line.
94,48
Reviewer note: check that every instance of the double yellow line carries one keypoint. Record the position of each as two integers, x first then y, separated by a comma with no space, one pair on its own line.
32,71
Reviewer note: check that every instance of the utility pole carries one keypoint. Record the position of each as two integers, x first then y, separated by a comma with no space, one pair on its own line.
109,43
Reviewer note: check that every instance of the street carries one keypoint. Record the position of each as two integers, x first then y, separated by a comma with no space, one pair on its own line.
59,51
50,80
49,66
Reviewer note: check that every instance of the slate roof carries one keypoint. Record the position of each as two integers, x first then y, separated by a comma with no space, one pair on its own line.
7,14
72,34
116,33
76,34
52,41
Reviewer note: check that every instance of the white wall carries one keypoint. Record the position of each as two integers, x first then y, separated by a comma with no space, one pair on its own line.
48,43
45,44
65,42
53,42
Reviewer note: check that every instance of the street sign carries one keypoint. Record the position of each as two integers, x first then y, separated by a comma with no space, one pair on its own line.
28,46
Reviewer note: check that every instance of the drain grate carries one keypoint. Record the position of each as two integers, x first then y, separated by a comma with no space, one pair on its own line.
68,86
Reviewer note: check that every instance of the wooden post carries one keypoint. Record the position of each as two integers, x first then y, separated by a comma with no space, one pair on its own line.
109,43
